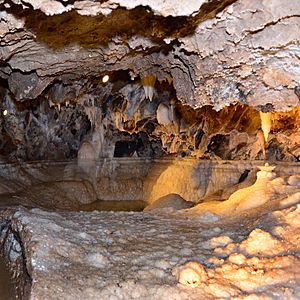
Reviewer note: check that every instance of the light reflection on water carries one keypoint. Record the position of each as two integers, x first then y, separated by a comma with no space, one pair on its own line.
6,287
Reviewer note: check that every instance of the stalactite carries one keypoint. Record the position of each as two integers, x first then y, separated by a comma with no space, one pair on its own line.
266,124
148,83
94,114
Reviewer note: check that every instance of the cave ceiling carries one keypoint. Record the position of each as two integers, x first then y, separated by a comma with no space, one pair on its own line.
191,54
216,52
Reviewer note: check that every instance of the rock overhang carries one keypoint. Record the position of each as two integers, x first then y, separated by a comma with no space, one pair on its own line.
216,52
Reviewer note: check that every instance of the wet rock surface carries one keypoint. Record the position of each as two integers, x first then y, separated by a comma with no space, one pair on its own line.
134,255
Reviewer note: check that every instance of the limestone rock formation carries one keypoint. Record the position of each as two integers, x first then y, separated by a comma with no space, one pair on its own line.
190,56
269,190
99,255
151,101
171,201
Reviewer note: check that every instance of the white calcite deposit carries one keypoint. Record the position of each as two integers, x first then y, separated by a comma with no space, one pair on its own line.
245,247
116,255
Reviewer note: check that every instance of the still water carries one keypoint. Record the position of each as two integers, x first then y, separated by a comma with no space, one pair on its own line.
111,205
6,287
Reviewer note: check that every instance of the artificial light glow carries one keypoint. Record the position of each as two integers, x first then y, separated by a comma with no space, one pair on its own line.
5,112
105,78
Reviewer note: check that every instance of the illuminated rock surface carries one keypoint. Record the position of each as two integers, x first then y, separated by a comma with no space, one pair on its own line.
171,200
135,101
132,255
169,64
268,189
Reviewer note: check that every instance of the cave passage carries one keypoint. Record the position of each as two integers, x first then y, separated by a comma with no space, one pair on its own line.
149,149
118,119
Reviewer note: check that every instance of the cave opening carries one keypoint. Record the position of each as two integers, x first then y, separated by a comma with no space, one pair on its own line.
127,148
149,149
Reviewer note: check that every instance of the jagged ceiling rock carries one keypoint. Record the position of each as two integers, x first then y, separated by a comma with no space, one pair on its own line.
158,54
166,8
249,52
92,8
215,55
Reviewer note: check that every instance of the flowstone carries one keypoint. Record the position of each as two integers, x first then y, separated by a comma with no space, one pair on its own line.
268,190
105,255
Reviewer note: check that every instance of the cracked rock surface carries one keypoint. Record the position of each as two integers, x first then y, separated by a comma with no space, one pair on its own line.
213,59
121,86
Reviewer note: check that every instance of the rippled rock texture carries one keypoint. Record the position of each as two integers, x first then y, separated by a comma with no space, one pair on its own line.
244,245
69,186
131,255
102,81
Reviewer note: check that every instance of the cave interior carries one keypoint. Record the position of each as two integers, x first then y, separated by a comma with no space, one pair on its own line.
149,149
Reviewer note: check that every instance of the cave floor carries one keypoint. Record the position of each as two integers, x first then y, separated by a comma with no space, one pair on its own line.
131,255
60,246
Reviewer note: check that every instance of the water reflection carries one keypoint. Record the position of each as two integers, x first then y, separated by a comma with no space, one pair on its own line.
111,205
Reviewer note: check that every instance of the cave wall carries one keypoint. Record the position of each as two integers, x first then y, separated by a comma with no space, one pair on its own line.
116,119
204,180
69,186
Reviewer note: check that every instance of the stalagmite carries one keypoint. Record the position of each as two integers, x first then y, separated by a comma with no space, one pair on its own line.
86,152
121,104
262,142
163,115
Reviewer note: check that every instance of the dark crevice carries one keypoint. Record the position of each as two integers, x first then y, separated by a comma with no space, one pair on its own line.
20,275
25,276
